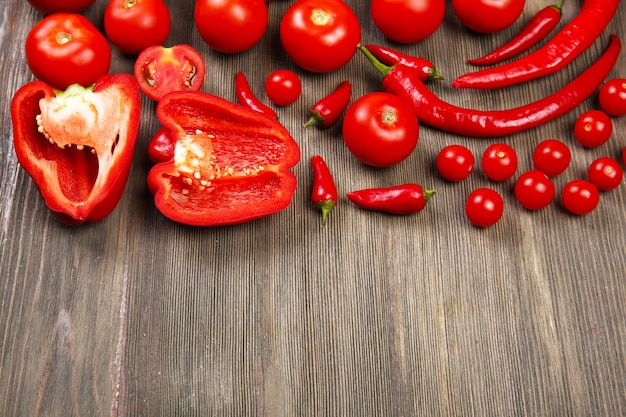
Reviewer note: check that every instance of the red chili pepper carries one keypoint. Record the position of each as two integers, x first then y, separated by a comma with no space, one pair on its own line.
78,144
246,97
399,199
573,39
433,111
229,165
330,108
324,195
423,67
535,30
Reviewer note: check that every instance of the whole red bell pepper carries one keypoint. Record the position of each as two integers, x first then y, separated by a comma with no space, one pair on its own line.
78,144
228,164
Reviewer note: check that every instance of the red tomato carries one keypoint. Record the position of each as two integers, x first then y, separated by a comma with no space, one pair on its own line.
133,25
605,173
160,70
484,207
499,162
380,129
455,162
231,26
283,87
320,35
551,157
593,128
65,48
58,6
407,21
580,197
534,190
612,97
488,16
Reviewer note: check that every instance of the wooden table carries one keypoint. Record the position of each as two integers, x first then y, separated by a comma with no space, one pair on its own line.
374,315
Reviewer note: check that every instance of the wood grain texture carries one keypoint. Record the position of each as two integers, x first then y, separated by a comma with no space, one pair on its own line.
374,315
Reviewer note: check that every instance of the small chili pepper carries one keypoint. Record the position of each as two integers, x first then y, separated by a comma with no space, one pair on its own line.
573,39
328,110
324,195
423,67
399,199
246,97
535,30
431,110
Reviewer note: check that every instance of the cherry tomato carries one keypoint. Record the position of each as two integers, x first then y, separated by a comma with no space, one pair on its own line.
380,129
58,6
488,16
499,162
612,97
133,25
283,87
534,190
484,207
580,197
159,70
66,48
605,173
593,128
552,157
407,21
320,35
455,162
231,26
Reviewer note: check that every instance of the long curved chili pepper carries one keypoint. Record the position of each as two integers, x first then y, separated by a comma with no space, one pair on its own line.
324,194
400,199
537,28
433,111
425,69
246,97
568,43
330,108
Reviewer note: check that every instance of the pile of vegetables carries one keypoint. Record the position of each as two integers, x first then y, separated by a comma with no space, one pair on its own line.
219,163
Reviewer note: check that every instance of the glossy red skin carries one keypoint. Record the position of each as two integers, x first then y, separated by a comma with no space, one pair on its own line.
161,147
231,26
424,69
373,139
552,157
488,16
455,162
322,47
593,128
245,97
324,194
484,207
58,6
66,48
135,25
605,173
77,185
229,135
326,111
283,87
499,162
537,28
431,110
580,197
568,43
612,97
160,70
401,199
534,190
407,21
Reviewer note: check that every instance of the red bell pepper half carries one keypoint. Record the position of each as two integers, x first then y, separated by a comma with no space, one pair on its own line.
229,164
78,144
